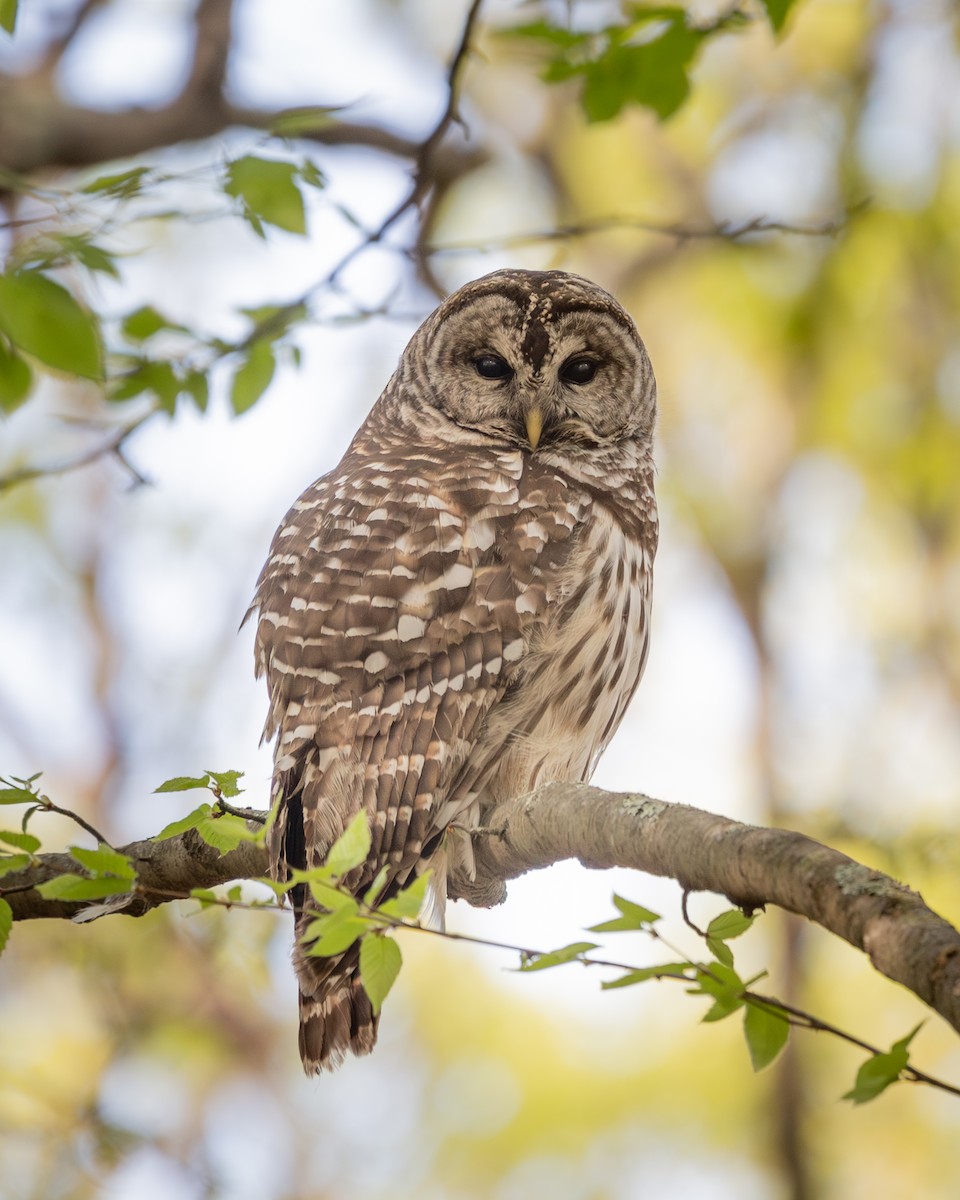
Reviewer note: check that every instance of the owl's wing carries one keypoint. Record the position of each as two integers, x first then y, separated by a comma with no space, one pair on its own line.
393,614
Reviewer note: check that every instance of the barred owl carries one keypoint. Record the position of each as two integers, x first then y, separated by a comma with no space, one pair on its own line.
460,610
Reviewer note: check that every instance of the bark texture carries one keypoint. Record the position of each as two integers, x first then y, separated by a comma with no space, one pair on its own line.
752,866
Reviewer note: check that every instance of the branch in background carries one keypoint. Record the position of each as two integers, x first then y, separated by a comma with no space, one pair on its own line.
40,130
58,46
112,447
732,231
426,173
754,867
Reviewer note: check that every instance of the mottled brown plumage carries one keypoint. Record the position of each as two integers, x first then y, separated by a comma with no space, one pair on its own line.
459,611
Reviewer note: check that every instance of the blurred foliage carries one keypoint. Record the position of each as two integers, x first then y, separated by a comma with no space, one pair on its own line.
809,451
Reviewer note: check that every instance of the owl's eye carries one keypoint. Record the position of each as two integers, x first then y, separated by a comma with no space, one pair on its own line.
578,370
492,366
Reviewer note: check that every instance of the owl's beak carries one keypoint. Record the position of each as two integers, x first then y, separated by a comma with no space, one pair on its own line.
534,423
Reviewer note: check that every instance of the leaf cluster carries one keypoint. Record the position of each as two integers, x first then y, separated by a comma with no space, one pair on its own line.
46,327
766,1024
644,59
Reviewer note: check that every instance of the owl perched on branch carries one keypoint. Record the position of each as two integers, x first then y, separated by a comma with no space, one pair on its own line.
459,611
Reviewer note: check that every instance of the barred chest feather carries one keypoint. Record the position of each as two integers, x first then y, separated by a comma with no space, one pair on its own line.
583,668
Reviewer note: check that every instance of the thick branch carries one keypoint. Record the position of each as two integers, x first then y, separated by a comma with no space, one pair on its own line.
166,871
40,130
754,867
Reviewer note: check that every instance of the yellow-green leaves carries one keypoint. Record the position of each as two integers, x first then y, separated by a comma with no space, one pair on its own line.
342,920
645,60
556,958
253,376
268,193
109,873
42,319
16,377
767,1030
878,1072
380,963
222,830
721,929
8,15
777,12
632,916
351,847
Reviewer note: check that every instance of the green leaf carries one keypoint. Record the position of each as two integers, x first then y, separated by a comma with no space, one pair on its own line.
104,861
634,916
144,322
724,985
197,386
556,958
190,821
543,31
379,883
777,11
21,841
6,923
642,974
311,175
335,933
297,121
16,795
766,1029
878,1072
380,963
226,781
268,192
8,15
122,184
148,375
224,831
351,847
653,75
406,905
183,783
16,378
41,318
253,376
729,925
79,887
720,951
13,862
90,255
330,897
206,896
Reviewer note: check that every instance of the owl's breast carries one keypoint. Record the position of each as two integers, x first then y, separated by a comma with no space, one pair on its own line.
583,663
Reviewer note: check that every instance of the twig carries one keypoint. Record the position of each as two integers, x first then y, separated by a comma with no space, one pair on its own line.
723,230
804,1020
246,814
798,1018
48,806
113,446
422,183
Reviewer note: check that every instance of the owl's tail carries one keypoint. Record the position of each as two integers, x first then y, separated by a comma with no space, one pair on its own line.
335,1011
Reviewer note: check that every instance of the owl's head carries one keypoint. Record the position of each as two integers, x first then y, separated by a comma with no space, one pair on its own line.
536,358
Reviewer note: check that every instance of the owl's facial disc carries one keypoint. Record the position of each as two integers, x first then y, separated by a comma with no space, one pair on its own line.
539,359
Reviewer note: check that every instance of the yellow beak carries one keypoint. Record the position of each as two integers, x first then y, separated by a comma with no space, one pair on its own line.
534,423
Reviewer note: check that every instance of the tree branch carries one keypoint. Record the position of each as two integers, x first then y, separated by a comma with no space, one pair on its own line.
754,867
